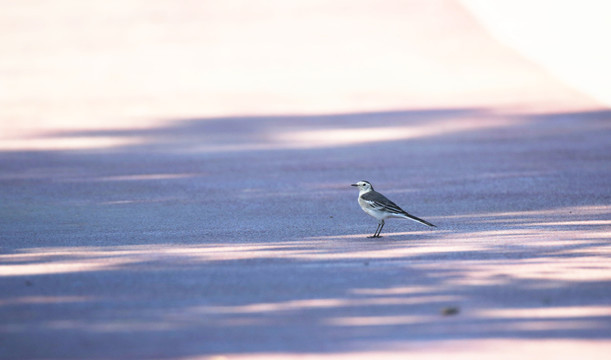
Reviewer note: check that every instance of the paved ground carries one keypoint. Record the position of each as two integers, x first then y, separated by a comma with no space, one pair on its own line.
140,219
168,250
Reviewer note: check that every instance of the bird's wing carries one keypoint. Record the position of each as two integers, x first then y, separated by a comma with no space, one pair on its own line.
380,202
377,201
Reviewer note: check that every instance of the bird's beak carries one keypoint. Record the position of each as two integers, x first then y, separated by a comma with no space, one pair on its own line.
353,185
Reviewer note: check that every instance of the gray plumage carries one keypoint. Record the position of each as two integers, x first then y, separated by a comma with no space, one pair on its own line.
382,203
380,207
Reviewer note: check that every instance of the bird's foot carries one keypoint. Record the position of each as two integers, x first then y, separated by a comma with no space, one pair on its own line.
374,236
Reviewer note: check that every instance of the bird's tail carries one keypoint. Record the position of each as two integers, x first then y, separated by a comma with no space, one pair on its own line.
417,219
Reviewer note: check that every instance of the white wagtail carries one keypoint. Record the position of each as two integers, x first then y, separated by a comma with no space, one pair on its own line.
378,206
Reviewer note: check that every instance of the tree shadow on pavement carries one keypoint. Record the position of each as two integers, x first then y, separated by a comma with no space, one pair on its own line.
243,236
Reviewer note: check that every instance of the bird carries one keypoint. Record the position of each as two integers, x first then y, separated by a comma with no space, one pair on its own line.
381,208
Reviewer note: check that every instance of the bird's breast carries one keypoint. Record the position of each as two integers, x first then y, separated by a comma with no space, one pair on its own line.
370,210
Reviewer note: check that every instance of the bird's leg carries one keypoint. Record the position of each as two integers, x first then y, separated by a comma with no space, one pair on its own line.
375,234
381,225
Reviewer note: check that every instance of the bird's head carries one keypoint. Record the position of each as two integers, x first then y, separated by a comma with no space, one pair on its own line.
363,186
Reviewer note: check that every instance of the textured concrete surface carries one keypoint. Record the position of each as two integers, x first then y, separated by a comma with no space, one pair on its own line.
164,250
140,219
